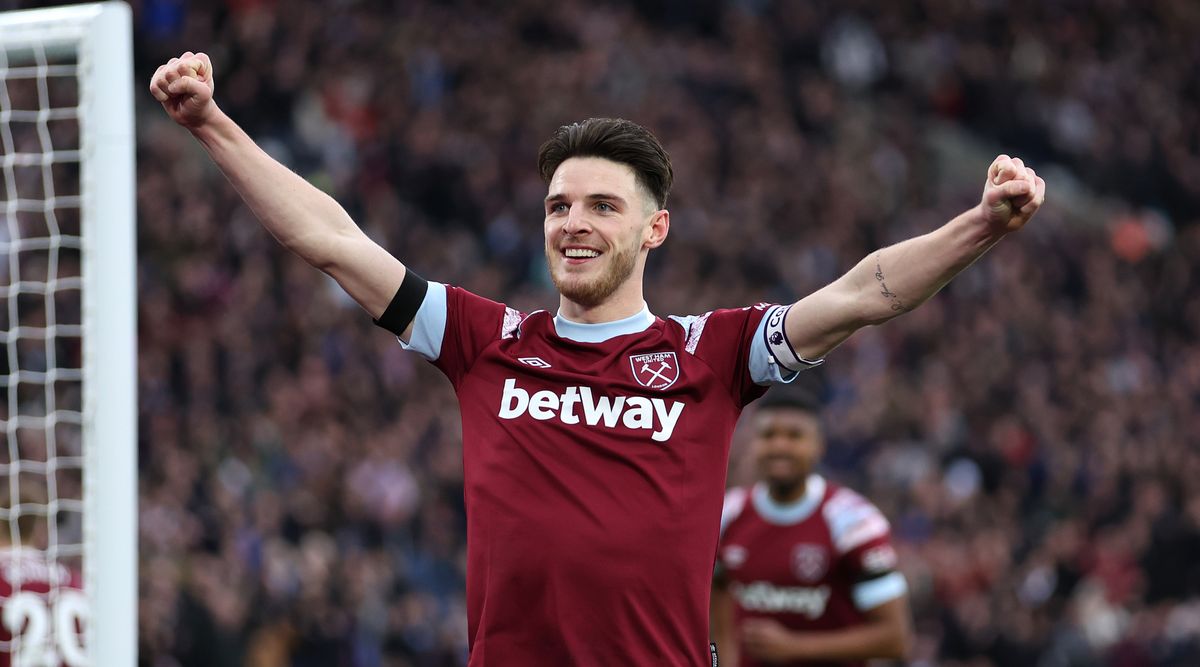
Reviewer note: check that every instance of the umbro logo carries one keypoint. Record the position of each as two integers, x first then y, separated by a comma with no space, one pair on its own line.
536,362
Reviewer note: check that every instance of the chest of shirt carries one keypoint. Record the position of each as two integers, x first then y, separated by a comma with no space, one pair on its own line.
640,386
795,555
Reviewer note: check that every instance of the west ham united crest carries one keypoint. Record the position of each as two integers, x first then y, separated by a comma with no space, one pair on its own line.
809,562
657,370
734,556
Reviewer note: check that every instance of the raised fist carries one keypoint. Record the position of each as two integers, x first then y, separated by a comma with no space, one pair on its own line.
184,86
1011,195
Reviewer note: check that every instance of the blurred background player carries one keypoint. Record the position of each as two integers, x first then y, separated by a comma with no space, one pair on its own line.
806,573
42,605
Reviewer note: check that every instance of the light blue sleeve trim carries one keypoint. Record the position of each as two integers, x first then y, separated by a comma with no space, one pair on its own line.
763,367
429,325
871,594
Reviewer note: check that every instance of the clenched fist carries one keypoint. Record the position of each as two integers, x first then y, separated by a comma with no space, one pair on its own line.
184,86
1012,194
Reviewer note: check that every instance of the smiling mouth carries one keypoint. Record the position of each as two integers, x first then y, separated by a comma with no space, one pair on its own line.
580,253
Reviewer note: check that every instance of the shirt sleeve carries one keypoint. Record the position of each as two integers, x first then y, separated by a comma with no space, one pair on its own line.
429,324
862,537
874,592
736,344
735,502
731,509
772,357
453,326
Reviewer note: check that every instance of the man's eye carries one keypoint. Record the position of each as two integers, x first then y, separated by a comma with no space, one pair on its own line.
604,207
558,208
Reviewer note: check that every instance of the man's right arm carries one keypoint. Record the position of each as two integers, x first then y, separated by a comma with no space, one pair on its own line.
301,217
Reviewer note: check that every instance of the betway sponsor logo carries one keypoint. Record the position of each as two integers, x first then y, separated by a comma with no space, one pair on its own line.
578,405
764,597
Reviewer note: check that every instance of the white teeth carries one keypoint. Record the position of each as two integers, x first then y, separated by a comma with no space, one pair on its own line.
580,253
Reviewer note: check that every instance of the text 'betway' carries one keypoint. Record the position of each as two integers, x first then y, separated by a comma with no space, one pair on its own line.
579,405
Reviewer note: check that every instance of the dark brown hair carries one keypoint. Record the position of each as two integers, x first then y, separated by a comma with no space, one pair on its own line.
613,139
803,395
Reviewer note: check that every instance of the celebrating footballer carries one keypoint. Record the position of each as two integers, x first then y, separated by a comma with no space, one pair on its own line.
595,437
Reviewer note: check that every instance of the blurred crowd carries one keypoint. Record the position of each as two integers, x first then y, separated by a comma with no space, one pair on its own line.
1032,432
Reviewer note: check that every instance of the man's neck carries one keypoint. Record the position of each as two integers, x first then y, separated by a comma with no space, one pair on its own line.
623,303
786,494
596,314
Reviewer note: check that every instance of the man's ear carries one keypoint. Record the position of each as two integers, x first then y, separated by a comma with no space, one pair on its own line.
656,231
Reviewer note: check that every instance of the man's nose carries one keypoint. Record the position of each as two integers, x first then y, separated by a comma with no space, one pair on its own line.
577,222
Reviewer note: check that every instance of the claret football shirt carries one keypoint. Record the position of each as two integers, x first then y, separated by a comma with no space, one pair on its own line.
594,463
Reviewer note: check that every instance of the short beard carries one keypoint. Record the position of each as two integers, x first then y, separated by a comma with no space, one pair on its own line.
781,489
595,292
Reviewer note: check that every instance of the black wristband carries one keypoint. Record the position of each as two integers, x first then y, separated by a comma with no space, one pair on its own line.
403,308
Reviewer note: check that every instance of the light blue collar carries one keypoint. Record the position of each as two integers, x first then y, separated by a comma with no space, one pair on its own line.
602,331
790,513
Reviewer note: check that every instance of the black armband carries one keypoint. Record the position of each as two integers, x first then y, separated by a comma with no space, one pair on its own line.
403,308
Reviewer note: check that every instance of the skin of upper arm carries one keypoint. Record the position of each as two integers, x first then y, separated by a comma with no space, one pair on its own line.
824,319
898,617
368,273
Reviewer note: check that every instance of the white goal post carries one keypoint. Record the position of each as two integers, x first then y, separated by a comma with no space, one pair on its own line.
68,281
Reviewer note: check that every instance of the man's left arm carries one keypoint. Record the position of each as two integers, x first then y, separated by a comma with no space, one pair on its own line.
897,279
721,623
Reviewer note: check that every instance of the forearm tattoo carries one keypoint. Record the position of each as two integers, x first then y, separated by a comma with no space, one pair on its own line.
883,288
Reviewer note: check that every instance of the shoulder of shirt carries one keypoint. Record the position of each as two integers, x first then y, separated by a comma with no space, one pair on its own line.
693,325
515,322
735,500
512,320
852,519
735,503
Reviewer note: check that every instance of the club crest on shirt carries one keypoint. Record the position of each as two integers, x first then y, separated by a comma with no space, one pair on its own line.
734,556
809,561
656,370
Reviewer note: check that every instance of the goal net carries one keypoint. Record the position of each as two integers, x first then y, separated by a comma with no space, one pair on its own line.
68,509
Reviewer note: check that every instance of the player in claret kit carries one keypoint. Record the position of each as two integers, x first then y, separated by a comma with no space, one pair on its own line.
806,573
42,606
595,439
